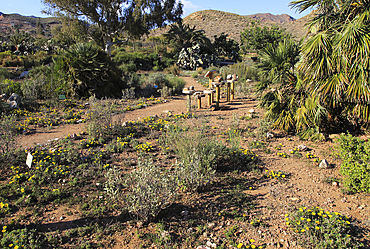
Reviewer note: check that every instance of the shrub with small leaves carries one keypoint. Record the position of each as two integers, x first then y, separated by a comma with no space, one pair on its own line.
317,228
355,153
151,189
192,175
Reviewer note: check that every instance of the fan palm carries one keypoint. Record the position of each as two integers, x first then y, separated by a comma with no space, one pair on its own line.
186,36
335,59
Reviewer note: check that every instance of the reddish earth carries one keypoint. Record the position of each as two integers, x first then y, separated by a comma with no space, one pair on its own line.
306,185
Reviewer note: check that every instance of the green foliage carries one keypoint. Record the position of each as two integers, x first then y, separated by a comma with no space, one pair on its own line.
91,72
226,48
182,35
20,238
191,175
111,19
150,190
256,38
355,167
317,228
4,74
334,65
10,86
136,60
7,135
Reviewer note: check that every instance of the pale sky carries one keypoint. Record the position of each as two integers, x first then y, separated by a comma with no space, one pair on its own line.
243,7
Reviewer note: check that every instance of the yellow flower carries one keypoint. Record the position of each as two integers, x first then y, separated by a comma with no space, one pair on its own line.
253,246
317,228
252,240
240,245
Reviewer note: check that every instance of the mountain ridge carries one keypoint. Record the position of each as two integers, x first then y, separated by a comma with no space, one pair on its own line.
216,22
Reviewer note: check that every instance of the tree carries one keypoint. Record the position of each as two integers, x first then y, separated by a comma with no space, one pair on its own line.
113,17
71,31
335,64
256,38
228,48
184,36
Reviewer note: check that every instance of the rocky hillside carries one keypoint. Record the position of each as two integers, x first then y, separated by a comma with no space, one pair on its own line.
26,23
214,22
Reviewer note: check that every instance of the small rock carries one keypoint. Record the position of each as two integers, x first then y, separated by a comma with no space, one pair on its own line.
211,245
211,225
203,247
269,135
302,147
251,111
165,234
139,224
185,213
62,217
324,164
335,184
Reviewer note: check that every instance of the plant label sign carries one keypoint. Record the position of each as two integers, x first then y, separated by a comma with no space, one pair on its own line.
62,97
29,160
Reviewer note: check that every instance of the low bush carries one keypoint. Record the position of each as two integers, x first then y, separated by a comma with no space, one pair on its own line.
355,168
150,189
316,228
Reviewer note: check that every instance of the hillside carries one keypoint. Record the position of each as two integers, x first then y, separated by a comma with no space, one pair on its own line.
214,22
26,23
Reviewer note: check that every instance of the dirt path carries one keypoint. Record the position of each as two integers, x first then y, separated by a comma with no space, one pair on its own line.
176,105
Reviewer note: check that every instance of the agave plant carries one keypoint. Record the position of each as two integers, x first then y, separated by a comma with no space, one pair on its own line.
90,71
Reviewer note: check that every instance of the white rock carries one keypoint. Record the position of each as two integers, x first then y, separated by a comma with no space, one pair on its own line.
251,111
302,147
324,164
269,135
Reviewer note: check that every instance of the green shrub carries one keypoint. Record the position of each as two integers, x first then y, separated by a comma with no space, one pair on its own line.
192,176
20,238
10,86
355,167
317,228
158,79
142,61
150,190
173,69
4,73
177,84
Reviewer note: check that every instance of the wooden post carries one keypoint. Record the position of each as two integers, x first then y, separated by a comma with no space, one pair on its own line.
232,90
218,96
228,91
199,96
210,94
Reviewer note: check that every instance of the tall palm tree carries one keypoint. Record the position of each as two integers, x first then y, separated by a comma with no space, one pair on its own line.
185,36
335,61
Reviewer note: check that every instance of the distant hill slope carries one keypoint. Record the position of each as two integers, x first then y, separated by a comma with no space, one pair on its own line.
214,22
26,23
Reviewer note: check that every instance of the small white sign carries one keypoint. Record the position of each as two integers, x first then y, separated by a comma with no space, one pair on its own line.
29,160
